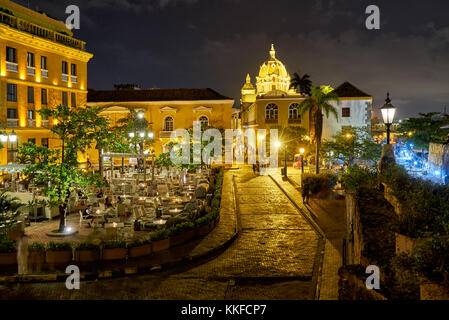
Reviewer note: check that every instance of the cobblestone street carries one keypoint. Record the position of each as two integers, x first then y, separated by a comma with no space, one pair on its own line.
274,257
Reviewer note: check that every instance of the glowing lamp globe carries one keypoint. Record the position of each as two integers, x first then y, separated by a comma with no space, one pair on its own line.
388,111
13,136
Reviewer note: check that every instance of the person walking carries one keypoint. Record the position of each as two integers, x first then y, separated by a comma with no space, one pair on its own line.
305,193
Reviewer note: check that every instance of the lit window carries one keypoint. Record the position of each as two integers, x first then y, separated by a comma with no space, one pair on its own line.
293,113
30,59
11,92
271,112
11,54
64,98
30,95
73,99
169,123
44,96
65,69
346,112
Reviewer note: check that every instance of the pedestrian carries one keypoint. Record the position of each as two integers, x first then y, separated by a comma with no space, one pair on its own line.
305,193
254,168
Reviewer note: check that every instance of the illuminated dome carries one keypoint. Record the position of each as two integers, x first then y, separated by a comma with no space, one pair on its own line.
273,76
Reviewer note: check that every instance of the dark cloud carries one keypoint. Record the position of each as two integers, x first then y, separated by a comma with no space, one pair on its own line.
214,43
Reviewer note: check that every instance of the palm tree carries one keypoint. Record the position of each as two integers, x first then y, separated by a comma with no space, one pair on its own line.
302,84
317,104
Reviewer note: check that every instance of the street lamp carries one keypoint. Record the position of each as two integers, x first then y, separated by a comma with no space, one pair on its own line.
13,136
388,111
301,152
3,137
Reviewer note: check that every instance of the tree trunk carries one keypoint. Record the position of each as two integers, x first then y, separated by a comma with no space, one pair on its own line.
318,134
62,217
100,163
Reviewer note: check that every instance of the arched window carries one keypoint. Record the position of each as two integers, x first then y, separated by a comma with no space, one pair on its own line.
293,112
271,112
169,123
204,121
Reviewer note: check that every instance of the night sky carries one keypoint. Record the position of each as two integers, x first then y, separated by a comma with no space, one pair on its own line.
215,43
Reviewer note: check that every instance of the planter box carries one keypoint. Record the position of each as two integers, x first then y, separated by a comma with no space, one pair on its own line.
201,231
87,255
429,290
35,257
114,253
160,245
182,238
140,251
58,257
8,258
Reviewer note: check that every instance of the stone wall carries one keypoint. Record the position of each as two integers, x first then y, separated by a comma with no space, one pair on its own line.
439,157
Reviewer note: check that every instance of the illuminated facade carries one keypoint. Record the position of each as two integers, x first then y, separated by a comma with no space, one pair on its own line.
41,65
272,103
165,110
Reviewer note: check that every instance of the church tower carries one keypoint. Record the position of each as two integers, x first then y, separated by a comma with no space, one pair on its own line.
248,91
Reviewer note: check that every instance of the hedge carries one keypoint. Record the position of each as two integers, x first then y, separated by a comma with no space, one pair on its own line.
322,182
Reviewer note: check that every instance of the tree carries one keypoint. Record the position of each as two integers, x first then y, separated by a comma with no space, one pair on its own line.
317,104
293,138
301,84
425,129
58,169
350,146
8,213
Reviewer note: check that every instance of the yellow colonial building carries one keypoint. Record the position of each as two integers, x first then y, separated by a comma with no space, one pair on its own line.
272,103
165,109
41,65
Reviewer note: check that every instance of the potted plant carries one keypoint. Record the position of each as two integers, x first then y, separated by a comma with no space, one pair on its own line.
87,251
140,248
182,232
160,240
58,252
115,250
8,252
36,253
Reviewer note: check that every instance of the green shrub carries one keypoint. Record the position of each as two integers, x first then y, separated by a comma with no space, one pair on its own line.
7,246
322,182
159,235
115,244
59,246
357,177
87,245
404,283
181,228
203,221
138,242
36,247
432,259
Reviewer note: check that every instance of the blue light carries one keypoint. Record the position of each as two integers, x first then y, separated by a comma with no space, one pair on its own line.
415,163
437,172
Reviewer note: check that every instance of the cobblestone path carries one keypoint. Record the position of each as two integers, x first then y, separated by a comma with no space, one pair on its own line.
274,257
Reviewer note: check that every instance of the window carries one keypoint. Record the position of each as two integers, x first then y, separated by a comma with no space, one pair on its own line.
204,121
44,96
169,123
65,69
11,114
73,99
11,54
73,69
44,142
30,115
30,59
293,113
32,140
30,95
44,62
64,98
271,112
346,112
11,92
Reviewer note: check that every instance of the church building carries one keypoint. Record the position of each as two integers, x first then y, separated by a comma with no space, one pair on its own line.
272,103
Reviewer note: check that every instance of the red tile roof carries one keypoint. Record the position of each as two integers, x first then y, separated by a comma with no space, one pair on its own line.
348,90
154,95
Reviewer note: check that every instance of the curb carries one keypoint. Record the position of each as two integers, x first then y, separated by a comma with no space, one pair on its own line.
126,270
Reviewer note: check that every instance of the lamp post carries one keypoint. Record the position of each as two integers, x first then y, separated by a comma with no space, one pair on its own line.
301,152
388,112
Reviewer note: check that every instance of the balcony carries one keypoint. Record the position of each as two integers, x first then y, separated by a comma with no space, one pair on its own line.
31,71
12,67
42,32
294,121
271,121
73,79
45,124
65,77
165,134
31,123
12,123
44,74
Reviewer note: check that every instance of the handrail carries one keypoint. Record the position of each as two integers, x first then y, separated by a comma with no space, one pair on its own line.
29,27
